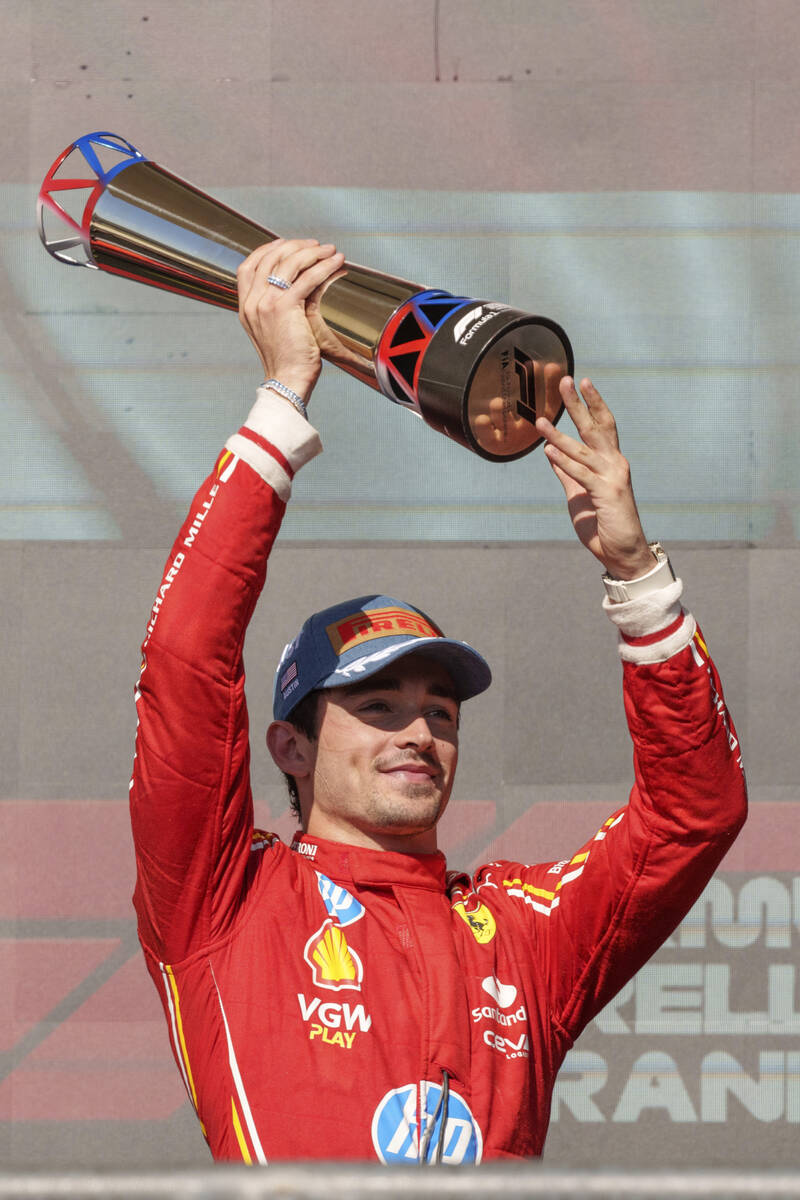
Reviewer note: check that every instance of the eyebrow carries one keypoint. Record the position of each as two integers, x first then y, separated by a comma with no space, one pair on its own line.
389,683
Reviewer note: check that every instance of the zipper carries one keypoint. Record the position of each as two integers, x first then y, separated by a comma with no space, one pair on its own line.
442,1106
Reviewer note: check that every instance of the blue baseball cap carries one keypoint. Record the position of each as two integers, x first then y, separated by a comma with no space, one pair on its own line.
355,639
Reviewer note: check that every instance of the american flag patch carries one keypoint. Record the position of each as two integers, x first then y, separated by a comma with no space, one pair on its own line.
288,675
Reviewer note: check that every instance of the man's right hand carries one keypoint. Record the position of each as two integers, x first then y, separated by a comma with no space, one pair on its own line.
275,318
597,482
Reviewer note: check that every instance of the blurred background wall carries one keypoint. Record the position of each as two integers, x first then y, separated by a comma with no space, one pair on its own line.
629,168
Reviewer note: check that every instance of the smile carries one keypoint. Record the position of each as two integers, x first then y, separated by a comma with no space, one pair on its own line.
413,772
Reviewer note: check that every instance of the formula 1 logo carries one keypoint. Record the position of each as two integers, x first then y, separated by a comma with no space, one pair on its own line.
396,1128
461,326
468,325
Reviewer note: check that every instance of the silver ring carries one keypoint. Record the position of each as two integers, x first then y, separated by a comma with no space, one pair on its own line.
276,281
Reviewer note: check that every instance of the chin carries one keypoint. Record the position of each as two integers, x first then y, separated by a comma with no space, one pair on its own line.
405,822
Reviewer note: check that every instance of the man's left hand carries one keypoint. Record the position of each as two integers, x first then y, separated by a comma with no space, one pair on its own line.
596,479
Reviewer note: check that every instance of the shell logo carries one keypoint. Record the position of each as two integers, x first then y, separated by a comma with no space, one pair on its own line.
333,964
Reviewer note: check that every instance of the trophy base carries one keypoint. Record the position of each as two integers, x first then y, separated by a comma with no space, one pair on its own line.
477,371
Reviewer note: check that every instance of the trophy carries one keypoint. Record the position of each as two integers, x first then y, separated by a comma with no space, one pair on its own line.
478,371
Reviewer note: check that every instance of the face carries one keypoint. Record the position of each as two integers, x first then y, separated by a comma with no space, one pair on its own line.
385,758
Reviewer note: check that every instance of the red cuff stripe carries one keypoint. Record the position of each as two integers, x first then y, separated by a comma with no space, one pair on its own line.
268,446
650,639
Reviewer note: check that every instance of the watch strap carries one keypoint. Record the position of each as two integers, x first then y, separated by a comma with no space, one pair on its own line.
661,575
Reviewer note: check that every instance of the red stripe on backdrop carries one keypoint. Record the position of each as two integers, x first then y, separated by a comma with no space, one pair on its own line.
37,973
550,831
71,858
96,1091
110,1059
463,824
74,858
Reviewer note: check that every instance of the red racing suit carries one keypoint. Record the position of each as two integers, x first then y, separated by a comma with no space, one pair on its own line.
333,1002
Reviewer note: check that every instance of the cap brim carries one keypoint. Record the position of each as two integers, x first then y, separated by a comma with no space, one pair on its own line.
468,669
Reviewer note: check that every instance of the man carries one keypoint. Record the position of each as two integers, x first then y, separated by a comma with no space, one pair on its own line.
347,998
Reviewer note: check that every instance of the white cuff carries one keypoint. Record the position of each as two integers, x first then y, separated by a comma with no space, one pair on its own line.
280,423
647,616
287,441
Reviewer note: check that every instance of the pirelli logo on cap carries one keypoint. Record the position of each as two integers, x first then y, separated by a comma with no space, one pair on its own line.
377,623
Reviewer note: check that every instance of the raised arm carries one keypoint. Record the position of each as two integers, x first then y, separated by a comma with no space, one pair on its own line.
599,915
191,807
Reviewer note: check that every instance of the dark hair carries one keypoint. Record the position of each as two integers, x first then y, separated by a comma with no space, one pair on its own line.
305,718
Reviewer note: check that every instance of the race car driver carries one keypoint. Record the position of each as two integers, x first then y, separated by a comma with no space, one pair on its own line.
346,997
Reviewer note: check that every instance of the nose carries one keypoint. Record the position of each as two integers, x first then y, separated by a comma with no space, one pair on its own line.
416,732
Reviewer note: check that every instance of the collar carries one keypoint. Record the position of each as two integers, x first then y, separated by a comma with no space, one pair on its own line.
376,868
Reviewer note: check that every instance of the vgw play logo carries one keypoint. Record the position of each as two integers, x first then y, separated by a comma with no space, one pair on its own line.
396,1128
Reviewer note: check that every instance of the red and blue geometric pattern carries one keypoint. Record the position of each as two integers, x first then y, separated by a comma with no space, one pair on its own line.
77,234
405,339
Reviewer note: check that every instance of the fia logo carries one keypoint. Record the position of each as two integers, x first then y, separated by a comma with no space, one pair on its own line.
396,1134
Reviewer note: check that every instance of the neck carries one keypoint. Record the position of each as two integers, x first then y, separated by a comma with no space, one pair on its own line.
319,825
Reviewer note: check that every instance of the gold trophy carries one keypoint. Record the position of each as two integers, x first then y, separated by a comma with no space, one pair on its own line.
478,371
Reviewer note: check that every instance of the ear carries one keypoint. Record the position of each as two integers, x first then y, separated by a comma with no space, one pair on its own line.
290,749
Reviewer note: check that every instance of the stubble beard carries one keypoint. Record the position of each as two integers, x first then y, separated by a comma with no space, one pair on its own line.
411,807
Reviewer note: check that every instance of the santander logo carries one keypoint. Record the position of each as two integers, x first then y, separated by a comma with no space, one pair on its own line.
503,994
511,1043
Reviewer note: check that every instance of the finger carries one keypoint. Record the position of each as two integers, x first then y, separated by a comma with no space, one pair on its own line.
552,396
571,488
575,469
292,252
252,274
338,271
292,256
314,277
486,429
490,423
255,286
246,274
575,406
292,267
248,267
255,271
566,444
600,412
